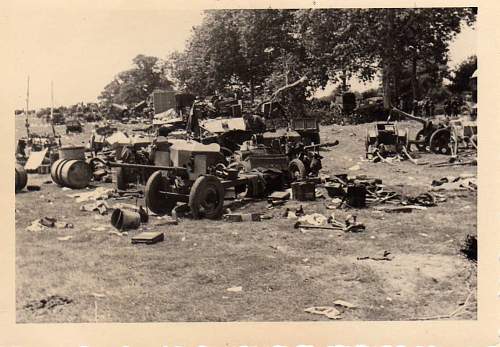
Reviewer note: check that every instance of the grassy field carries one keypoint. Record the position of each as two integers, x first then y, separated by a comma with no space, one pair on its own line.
281,270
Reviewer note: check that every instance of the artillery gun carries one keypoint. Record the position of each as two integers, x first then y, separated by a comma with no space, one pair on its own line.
443,137
385,138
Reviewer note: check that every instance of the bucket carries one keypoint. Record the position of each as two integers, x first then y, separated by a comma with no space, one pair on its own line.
124,219
304,191
21,178
74,174
72,152
356,195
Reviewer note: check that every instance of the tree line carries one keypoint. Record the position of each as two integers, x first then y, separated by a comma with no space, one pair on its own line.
257,51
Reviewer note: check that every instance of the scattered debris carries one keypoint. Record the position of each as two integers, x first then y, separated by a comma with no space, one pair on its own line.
387,256
242,217
100,193
48,303
279,195
165,220
33,188
65,238
45,223
148,237
327,311
101,206
313,219
462,182
235,289
346,304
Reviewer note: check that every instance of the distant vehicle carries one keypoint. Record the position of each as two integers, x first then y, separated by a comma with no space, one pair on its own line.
371,109
73,125
57,117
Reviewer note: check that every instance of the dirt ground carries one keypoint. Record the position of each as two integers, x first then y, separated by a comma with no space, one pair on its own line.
96,276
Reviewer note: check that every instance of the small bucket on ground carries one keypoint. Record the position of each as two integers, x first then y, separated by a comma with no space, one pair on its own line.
124,219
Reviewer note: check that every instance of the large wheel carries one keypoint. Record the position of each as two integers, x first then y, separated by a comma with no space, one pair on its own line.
157,201
206,198
440,141
297,170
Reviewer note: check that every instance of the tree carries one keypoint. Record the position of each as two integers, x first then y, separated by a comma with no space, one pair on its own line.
460,82
364,42
136,84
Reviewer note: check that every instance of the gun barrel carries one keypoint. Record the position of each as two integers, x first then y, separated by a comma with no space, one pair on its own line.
410,116
322,145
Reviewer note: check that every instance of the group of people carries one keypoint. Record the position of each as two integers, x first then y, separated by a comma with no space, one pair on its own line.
425,107
452,107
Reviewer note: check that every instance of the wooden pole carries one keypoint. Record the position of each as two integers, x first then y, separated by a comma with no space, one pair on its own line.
52,107
27,124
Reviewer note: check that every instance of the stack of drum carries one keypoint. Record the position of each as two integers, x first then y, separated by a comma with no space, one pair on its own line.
21,177
71,173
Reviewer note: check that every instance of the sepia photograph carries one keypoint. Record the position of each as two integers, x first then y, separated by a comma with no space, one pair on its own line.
246,165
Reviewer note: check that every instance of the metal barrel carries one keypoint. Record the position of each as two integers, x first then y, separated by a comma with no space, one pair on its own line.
74,174
21,178
54,170
124,219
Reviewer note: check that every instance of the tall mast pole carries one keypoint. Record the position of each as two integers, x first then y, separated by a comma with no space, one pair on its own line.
27,124
52,110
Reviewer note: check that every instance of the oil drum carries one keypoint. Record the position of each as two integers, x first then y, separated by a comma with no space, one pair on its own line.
21,178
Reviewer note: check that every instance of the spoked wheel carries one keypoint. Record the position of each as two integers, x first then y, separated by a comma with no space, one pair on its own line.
421,142
156,200
206,198
297,170
440,141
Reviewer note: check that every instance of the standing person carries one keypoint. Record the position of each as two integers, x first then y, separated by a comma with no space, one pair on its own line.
415,107
92,142
432,108
455,107
447,107
427,106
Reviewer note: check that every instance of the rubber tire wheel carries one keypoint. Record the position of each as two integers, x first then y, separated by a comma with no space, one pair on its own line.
204,187
156,201
420,136
297,170
438,147
121,178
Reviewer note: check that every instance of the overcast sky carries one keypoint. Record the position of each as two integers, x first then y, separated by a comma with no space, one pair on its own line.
81,50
